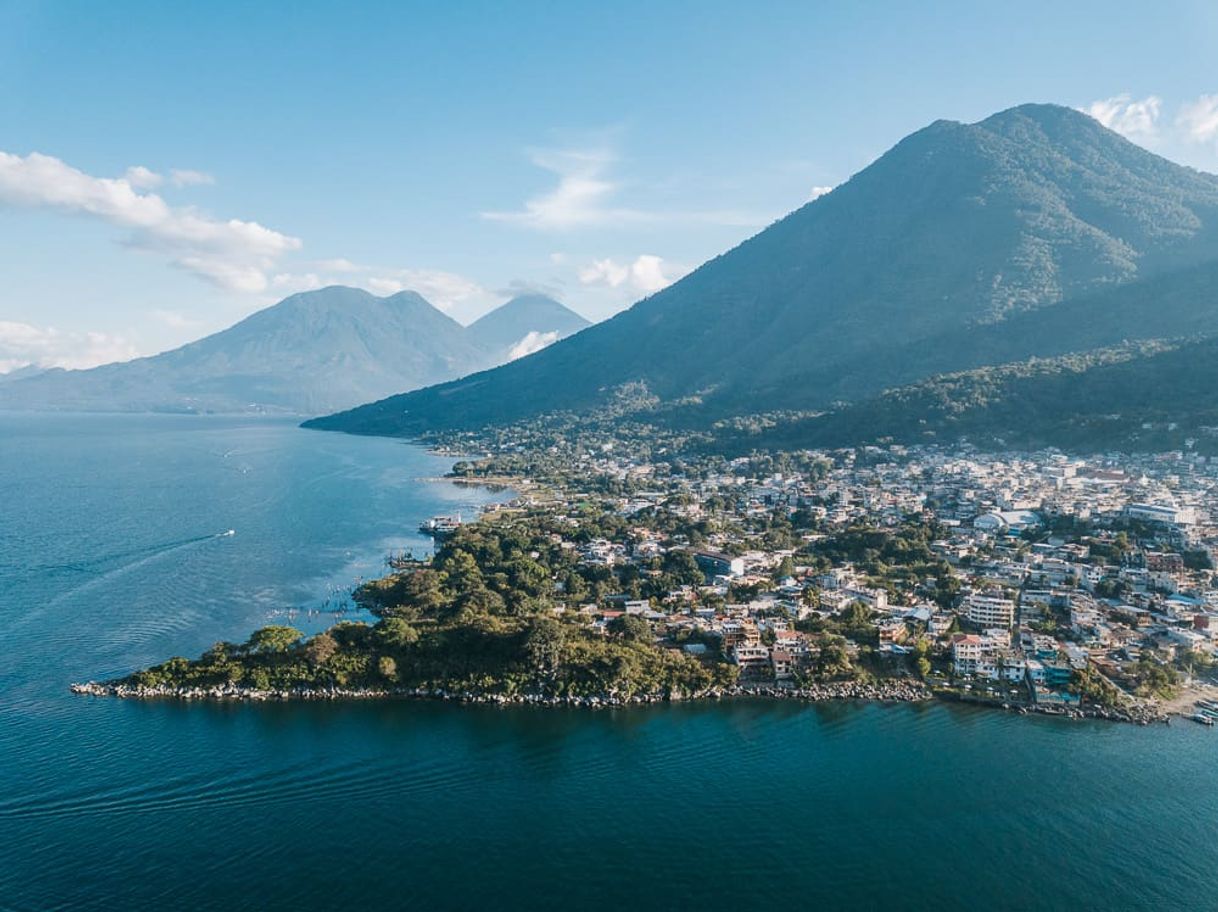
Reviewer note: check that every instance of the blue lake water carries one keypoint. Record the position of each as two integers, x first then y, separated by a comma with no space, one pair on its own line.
112,557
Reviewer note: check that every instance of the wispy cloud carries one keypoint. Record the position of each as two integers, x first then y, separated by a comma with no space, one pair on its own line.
581,198
646,274
1199,119
339,264
184,177
446,290
586,197
142,178
818,192
1135,119
22,344
175,319
232,254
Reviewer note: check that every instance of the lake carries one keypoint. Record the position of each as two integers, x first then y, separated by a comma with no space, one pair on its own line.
113,555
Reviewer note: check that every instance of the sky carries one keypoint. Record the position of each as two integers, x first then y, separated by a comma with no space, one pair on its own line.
167,169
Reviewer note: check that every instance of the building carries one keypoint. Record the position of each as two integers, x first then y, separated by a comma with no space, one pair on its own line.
967,652
753,660
1008,521
715,564
990,610
1160,513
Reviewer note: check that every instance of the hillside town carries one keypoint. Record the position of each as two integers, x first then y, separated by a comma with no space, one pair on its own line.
1035,580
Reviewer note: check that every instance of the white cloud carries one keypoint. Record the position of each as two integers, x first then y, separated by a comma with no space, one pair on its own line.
517,287
646,274
175,319
22,344
339,264
533,342
446,290
184,177
604,272
1133,119
818,192
142,178
293,282
580,199
1199,118
232,254
583,198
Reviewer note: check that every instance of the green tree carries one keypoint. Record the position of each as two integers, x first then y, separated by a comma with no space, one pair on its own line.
633,628
461,571
395,633
387,668
422,590
543,644
683,568
273,639
320,649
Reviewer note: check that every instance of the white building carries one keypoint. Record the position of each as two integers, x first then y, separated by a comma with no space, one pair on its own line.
1161,513
990,610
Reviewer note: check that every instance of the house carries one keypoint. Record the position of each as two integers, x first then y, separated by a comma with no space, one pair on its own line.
716,564
783,664
893,631
967,651
752,659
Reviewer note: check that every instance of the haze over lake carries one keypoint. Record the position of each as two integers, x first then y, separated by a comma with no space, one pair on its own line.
113,556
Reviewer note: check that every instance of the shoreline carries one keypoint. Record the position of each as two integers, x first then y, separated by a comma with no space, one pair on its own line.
888,692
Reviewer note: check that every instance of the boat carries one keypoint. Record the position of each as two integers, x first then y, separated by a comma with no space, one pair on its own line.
441,527
1204,720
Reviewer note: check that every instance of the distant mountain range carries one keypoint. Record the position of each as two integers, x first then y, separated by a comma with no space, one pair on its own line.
311,353
1032,234
522,326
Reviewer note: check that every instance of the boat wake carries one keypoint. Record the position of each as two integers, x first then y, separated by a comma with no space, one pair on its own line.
105,563
102,569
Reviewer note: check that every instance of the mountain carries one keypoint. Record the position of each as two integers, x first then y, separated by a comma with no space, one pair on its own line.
22,373
312,352
523,325
1141,397
963,241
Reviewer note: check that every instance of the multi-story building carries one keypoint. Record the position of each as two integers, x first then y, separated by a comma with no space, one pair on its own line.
990,610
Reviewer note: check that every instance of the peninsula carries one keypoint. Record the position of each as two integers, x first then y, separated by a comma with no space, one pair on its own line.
1033,582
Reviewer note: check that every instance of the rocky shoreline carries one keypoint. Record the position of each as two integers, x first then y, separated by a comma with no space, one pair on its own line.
1141,715
902,691
888,691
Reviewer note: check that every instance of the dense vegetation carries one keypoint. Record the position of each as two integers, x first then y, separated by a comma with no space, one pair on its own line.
480,617
1146,397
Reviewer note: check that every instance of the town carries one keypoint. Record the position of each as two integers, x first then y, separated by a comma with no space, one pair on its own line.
1035,580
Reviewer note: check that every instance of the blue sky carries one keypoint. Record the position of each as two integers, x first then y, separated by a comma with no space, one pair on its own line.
166,169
